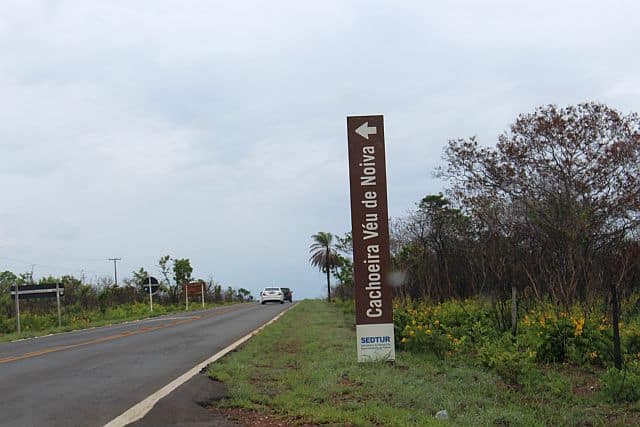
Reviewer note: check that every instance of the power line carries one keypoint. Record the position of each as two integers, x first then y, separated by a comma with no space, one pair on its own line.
49,266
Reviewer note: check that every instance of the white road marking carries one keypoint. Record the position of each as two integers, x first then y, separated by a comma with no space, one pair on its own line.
157,319
141,409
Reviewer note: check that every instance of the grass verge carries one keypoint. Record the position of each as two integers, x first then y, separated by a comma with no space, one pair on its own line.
303,369
121,314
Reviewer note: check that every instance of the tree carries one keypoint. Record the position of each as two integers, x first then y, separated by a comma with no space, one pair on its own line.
140,277
568,180
344,274
182,272
324,256
7,280
429,247
243,293
165,270
343,271
229,294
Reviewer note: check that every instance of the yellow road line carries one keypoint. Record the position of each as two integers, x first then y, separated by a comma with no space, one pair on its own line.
113,337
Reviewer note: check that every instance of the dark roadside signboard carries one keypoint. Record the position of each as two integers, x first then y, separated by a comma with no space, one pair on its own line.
47,290
370,229
153,282
38,291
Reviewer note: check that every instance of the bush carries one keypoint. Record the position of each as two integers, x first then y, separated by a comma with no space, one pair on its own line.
555,337
569,338
622,385
509,362
631,339
425,339
7,325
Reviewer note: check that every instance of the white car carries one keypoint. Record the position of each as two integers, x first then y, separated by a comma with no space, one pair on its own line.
272,294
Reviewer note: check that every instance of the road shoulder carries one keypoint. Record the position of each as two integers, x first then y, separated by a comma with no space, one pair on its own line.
187,406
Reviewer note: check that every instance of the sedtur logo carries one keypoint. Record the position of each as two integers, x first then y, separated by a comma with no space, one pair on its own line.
375,340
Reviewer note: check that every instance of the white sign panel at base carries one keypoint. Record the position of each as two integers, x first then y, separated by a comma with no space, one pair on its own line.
375,342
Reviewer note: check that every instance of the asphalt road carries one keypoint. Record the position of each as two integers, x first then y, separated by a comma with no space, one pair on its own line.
87,378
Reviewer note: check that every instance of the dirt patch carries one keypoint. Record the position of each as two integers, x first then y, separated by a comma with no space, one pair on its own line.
346,381
586,389
245,417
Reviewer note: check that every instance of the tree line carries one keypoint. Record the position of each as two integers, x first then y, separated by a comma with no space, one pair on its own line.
104,293
550,213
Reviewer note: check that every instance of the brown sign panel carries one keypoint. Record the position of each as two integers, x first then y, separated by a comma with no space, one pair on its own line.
370,230
194,288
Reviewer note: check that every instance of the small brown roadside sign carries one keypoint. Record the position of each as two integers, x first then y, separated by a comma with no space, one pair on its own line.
194,288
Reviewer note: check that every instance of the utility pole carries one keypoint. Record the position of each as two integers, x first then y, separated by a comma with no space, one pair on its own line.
115,268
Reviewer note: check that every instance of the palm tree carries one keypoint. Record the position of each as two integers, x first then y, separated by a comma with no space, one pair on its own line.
324,256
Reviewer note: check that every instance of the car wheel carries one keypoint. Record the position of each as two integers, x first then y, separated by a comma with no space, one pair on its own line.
282,302
262,302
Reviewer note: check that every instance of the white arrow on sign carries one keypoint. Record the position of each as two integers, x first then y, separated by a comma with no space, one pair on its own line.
364,130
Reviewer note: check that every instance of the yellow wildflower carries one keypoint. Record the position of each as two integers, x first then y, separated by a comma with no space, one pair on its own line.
579,324
428,331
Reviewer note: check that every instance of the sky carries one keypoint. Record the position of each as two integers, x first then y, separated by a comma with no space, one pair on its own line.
216,131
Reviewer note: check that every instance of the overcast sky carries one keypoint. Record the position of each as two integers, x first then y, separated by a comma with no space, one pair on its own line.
216,131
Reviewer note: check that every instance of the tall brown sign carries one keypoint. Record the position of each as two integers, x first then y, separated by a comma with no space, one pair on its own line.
370,230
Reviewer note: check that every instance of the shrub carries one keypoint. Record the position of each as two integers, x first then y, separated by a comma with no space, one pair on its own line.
622,385
7,325
555,336
508,361
631,339
425,339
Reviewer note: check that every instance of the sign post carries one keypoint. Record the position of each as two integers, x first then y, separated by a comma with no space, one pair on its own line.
153,285
37,291
18,306
58,302
370,230
202,290
150,295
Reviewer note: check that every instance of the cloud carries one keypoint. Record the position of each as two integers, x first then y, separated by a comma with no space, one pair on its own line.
217,131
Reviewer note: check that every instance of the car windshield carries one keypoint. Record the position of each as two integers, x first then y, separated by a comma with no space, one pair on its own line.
271,289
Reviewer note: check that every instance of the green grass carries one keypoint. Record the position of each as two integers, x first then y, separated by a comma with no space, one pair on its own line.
303,368
93,318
